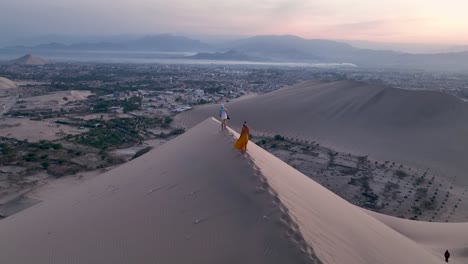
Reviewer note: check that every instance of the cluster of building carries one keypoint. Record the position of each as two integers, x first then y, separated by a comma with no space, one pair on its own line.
177,88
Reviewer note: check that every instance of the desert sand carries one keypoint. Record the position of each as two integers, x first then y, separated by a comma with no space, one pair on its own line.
197,200
387,188
29,60
7,83
342,233
425,129
52,101
33,131
171,205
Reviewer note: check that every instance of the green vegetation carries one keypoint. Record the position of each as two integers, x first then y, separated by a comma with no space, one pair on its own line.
105,105
122,132
116,132
213,90
45,164
421,192
167,122
37,156
202,102
43,144
132,104
173,132
142,152
7,152
128,105
428,205
279,138
401,174
86,151
30,157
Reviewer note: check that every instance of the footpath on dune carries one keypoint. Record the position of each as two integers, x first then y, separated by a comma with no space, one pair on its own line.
425,129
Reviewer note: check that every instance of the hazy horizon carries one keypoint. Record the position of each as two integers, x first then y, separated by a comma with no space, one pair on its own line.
397,21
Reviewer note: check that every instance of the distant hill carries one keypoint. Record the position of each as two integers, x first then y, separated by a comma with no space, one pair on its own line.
228,55
279,48
296,49
162,43
78,46
7,83
29,60
168,43
97,46
290,48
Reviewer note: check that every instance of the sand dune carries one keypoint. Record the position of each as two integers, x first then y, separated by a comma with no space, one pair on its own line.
436,237
190,201
29,60
421,128
342,233
7,84
197,200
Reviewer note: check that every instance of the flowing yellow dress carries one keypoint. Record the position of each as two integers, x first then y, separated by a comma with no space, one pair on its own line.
241,143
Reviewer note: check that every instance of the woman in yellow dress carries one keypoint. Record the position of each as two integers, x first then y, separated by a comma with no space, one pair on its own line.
241,143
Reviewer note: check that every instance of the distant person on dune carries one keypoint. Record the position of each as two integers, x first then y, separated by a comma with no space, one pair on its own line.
447,256
224,116
241,143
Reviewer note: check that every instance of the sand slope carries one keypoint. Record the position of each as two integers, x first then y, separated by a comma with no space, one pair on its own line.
422,128
190,201
197,200
29,60
436,237
342,233
7,83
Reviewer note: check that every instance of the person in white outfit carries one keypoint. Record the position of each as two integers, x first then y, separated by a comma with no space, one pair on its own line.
223,115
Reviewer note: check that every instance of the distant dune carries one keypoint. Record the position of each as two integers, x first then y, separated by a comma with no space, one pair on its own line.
423,128
197,200
29,60
7,84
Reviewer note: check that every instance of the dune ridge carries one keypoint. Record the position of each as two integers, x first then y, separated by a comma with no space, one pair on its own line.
426,129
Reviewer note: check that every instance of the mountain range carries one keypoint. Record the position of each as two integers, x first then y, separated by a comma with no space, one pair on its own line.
160,43
279,48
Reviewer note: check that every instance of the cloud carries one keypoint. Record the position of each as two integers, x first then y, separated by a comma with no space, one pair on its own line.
362,26
368,19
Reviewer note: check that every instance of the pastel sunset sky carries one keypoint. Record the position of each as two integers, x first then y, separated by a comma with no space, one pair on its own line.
416,21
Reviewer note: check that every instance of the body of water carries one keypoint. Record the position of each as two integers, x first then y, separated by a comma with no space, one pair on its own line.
147,57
